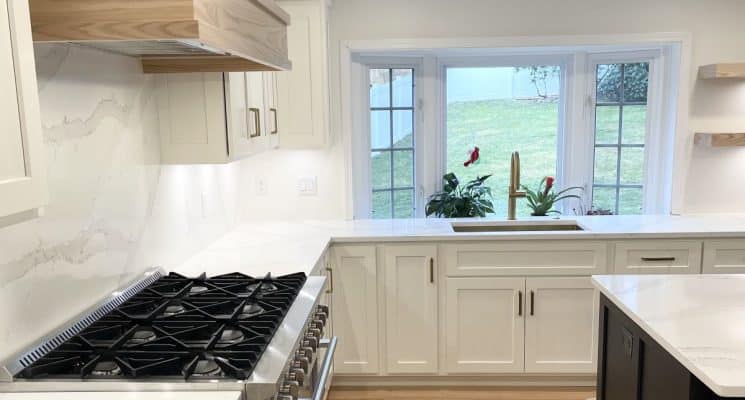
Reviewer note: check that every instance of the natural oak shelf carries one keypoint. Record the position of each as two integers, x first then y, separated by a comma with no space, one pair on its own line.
720,139
718,71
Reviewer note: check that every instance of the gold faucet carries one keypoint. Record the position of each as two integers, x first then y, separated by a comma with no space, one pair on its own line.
514,192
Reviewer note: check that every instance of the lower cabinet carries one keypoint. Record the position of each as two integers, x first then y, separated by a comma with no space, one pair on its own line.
411,309
484,325
658,257
355,309
560,325
725,256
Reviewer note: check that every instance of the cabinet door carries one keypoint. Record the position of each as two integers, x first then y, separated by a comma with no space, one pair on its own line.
191,110
355,307
724,256
272,111
411,309
256,110
484,325
658,257
22,169
560,325
237,114
303,91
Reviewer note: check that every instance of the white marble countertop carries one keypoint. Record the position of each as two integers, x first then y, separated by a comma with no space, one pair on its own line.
122,396
698,319
286,247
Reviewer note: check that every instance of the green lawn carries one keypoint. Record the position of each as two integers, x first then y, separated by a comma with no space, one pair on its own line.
499,127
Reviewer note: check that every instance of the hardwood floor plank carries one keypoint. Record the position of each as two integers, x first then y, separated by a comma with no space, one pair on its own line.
461,394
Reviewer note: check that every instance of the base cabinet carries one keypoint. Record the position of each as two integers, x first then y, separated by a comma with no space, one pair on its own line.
410,309
484,325
726,256
560,325
355,307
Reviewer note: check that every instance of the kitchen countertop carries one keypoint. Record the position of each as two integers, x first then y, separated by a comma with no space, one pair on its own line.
698,319
286,247
123,396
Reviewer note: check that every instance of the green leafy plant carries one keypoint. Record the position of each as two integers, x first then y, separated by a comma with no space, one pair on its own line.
460,201
542,201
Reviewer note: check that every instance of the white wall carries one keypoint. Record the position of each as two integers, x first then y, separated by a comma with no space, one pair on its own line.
710,176
114,210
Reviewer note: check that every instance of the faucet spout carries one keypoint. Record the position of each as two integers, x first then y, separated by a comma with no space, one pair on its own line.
514,189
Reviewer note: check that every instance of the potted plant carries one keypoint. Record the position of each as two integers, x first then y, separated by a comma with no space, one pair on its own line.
473,199
542,201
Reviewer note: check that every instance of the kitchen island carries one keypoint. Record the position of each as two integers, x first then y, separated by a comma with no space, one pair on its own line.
671,337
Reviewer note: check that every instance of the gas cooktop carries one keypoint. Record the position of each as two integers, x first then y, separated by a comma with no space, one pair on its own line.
195,328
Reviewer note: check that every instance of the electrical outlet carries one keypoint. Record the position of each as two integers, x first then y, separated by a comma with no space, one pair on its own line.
307,186
260,184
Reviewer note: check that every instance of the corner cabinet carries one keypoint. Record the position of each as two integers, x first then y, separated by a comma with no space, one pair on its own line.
22,167
303,91
209,118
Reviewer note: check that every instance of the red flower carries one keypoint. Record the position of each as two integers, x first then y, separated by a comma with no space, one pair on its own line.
549,184
473,156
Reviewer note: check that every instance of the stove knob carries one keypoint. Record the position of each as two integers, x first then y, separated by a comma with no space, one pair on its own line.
321,315
312,340
301,363
296,375
291,389
317,333
283,397
306,352
323,309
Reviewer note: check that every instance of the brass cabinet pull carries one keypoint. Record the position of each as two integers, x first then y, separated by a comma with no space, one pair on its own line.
257,122
276,126
532,303
431,270
519,303
331,280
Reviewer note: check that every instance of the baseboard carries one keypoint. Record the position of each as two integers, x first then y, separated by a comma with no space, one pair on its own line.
466,381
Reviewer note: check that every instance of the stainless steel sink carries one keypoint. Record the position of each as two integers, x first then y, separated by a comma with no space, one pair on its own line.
516,226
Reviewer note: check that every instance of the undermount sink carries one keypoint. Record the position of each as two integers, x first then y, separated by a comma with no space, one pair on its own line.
515,226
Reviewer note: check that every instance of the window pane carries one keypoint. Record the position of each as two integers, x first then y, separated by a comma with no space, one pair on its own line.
634,124
403,81
632,165
635,78
608,83
381,169
604,198
500,110
606,163
630,201
380,129
380,88
403,128
606,124
403,168
403,203
381,204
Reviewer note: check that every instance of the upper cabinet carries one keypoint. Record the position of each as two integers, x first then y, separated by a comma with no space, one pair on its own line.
303,92
172,36
22,168
208,118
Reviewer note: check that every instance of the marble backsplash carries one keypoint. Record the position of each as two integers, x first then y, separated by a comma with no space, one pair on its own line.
114,210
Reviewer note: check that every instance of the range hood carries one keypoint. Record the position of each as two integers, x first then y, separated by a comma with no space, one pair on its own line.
172,35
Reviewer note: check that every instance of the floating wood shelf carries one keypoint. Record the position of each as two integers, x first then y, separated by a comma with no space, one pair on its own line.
718,71
720,139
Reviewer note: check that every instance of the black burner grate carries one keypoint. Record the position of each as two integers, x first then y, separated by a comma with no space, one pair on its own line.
195,328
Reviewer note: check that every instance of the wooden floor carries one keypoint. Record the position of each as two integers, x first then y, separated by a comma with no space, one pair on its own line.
461,394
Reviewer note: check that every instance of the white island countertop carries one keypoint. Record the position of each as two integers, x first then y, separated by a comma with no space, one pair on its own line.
698,319
122,396
257,248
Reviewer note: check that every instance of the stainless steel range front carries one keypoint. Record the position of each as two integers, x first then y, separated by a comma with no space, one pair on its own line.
262,336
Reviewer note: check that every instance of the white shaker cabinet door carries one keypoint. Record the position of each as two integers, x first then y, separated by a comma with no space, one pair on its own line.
724,256
484,325
411,309
560,325
22,168
355,309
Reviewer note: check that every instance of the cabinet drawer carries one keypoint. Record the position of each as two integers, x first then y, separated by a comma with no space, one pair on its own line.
508,258
724,256
658,257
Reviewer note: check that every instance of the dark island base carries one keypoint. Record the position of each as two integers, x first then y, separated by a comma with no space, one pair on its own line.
632,366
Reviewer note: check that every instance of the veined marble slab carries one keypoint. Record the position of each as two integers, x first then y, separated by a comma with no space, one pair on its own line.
698,319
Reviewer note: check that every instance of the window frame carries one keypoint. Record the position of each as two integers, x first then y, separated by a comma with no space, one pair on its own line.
653,201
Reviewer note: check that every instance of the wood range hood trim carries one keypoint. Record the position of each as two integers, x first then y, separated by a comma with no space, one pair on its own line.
172,35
